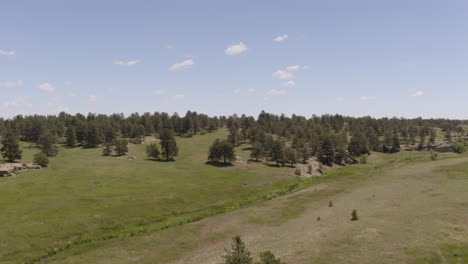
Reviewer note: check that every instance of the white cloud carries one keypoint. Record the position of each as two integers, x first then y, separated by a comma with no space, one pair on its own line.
290,83
252,90
7,53
169,46
236,91
128,63
182,65
282,75
340,99
276,92
11,83
47,87
418,93
72,94
159,92
233,50
293,68
92,98
367,98
18,101
178,97
281,38
63,108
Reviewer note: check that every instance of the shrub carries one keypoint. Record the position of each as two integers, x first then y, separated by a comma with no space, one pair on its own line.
330,204
298,172
354,216
363,159
41,159
309,168
268,258
434,155
460,146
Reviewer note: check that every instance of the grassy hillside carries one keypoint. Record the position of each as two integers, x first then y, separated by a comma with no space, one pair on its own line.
84,199
411,210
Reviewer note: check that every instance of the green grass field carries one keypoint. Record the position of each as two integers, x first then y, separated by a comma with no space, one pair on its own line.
86,208
411,210
83,198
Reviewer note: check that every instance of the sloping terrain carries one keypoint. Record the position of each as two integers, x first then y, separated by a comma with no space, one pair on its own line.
411,210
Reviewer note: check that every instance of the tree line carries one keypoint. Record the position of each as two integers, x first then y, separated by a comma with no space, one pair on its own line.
281,139
331,138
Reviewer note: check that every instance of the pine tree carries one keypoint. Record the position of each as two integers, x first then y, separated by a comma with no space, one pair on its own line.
107,150
168,144
358,145
221,150
238,254
121,147
152,151
395,142
257,151
233,136
448,135
290,155
433,136
327,150
277,151
10,146
47,143
93,138
71,137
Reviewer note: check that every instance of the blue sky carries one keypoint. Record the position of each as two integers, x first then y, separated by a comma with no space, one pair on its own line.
379,58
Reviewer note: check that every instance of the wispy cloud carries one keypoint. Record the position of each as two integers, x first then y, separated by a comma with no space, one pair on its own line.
251,90
236,49
368,98
182,65
7,53
92,98
63,108
282,75
290,83
418,93
159,92
178,97
19,101
128,63
281,38
276,92
47,87
236,91
11,83
340,99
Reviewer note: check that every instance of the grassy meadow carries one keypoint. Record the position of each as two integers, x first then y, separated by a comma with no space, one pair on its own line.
411,210
83,198
87,208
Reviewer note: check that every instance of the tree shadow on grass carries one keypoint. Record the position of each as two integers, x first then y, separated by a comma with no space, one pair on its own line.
219,164
274,165
247,148
160,160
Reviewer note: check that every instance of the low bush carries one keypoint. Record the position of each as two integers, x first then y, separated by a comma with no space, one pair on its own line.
460,146
41,159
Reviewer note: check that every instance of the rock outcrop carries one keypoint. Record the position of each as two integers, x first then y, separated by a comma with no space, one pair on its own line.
11,169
